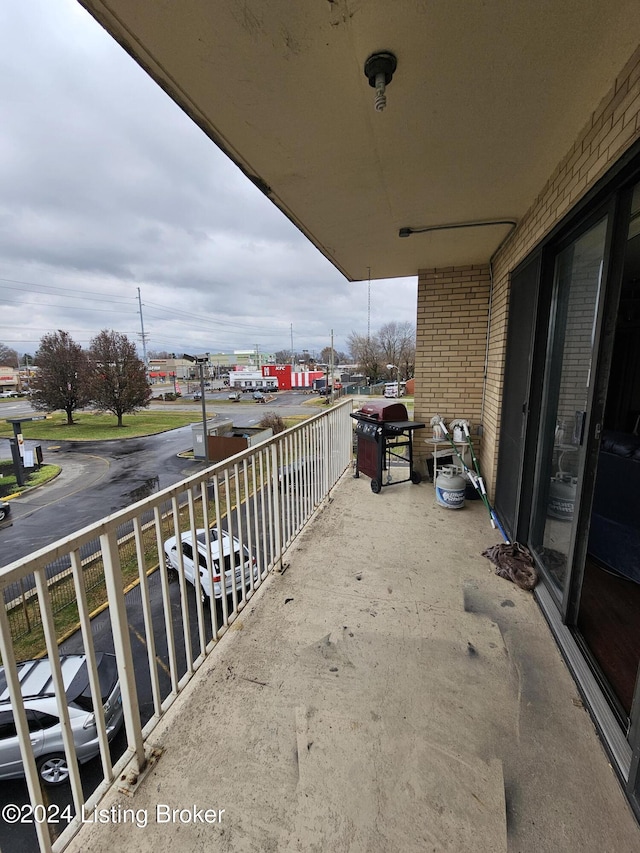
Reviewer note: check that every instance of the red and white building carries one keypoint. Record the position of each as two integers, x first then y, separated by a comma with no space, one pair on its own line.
289,379
274,377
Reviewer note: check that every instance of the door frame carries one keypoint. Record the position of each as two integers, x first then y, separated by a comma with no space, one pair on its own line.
518,401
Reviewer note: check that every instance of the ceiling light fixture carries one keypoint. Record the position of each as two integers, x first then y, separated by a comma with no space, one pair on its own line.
378,69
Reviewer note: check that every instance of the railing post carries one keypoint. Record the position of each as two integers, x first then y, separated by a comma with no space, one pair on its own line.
326,453
92,670
277,515
122,644
22,730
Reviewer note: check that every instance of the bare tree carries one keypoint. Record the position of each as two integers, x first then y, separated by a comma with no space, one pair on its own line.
62,378
398,347
338,357
328,356
393,343
118,377
283,356
8,356
367,355
407,361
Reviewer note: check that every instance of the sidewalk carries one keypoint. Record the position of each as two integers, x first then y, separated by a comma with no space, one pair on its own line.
386,693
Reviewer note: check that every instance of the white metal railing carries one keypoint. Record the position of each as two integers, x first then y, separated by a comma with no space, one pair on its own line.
263,497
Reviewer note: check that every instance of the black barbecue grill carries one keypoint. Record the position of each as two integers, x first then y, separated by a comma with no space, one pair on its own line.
382,430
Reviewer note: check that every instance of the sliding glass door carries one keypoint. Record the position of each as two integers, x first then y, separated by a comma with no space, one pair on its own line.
565,402
608,618
578,492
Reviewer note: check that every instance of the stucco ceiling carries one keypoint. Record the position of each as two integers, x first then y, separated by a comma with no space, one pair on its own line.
486,100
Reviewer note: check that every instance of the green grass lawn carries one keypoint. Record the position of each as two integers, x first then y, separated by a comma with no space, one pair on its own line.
98,427
8,485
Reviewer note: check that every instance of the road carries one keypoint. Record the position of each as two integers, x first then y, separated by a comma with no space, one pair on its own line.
246,413
99,478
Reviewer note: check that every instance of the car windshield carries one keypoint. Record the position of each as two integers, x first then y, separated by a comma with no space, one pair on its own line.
79,691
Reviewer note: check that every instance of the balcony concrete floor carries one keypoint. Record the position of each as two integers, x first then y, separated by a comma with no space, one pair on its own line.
388,692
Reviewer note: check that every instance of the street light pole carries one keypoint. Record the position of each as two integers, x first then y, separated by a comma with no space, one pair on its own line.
201,361
204,414
394,367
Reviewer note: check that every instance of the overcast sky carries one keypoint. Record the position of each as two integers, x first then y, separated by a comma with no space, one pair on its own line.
106,186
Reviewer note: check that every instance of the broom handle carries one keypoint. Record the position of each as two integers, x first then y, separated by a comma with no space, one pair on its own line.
495,521
474,459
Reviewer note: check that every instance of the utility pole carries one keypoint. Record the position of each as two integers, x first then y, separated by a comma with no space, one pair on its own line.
292,358
369,309
142,333
331,364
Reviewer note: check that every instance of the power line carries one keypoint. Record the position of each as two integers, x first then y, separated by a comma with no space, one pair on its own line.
79,294
176,311
53,305
189,324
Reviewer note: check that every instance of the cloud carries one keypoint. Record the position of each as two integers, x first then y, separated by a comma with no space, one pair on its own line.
107,186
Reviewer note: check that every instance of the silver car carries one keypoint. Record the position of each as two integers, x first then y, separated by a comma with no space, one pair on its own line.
45,727
5,509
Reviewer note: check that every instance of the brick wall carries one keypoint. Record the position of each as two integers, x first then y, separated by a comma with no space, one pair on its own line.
612,128
450,344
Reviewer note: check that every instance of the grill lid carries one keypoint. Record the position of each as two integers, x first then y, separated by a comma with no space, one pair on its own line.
383,411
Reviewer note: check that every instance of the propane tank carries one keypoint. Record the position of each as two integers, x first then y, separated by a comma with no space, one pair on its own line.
562,497
450,488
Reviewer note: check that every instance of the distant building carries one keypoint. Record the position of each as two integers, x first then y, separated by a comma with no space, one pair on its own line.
9,379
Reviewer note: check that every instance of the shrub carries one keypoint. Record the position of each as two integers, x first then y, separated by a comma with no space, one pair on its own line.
273,421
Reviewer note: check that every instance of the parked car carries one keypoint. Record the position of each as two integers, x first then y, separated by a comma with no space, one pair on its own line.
45,728
213,537
5,509
4,394
291,474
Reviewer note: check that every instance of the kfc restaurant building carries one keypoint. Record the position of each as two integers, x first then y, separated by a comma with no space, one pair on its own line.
290,379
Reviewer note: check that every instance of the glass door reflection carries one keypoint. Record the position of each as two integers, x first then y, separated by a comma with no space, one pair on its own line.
576,293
